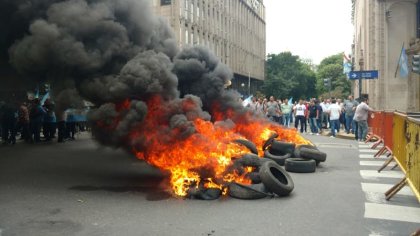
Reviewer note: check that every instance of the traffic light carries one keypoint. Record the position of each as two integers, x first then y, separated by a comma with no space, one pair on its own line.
327,82
415,63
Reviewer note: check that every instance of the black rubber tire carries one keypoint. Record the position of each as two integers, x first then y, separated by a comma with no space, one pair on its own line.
250,145
313,154
282,147
249,160
269,141
279,159
296,153
206,194
253,191
300,165
276,179
254,177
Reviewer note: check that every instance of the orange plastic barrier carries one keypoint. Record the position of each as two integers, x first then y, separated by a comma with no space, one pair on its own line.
380,125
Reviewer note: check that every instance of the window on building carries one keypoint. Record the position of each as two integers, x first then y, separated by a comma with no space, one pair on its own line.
165,2
192,12
418,19
186,36
186,9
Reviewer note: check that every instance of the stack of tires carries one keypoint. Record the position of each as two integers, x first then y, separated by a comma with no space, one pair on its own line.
298,159
268,179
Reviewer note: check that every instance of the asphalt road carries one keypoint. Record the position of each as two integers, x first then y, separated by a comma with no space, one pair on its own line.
79,188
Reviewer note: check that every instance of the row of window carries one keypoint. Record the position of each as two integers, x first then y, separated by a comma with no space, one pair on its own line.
236,36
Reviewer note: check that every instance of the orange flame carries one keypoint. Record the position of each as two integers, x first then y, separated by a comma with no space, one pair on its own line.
203,158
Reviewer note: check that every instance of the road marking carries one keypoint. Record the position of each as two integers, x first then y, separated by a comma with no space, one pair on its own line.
382,188
364,146
367,174
371,156
392,212
371,163
366,156
368,150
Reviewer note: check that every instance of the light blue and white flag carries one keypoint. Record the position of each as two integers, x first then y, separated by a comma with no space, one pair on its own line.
46,96
403,63
247,101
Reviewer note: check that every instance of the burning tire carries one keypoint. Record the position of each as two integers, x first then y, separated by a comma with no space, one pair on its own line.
250,145
284,147
249,160
254,177
279,159
300,165
205,194
253,191
313,154
276,179
269,141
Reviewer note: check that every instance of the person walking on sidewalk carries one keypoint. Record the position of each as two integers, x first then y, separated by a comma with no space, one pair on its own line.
361,116
334,110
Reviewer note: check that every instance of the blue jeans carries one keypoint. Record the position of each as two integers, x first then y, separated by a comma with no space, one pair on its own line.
286,119
319,124
349,124
335,125
313,124
363,128
356,129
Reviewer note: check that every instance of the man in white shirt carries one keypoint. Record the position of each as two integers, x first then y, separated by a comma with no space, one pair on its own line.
299,111
334,110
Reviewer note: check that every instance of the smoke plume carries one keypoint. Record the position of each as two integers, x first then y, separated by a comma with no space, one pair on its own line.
119,56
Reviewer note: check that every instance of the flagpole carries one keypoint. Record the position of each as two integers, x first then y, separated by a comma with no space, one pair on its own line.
398,62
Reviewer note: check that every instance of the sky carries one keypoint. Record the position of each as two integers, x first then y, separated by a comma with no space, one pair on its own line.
311,29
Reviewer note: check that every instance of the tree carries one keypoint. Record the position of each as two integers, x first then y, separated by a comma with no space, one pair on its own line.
287,76
332,67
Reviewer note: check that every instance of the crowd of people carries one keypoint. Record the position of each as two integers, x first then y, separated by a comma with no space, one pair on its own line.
34,122
331,114
29,120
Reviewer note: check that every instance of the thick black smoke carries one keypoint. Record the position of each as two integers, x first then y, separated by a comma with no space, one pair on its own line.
114,52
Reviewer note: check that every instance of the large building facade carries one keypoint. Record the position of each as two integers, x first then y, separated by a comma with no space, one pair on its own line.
233,29
382,29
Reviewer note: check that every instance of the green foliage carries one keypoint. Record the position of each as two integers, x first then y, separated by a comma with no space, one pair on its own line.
288,77
332,67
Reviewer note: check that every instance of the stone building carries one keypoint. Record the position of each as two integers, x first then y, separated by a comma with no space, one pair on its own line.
382,28
233,29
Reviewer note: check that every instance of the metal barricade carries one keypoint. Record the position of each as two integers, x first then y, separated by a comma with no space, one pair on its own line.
399,141
413,155
400,135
